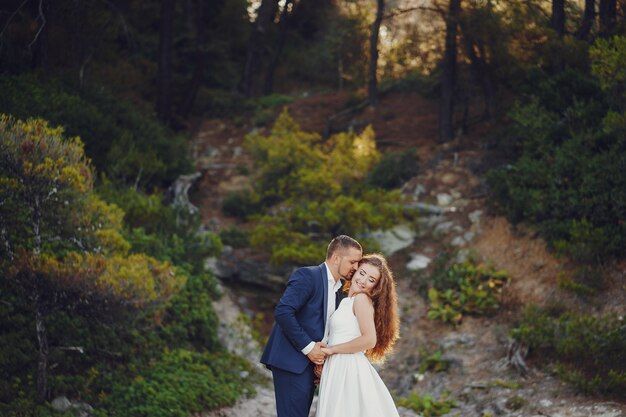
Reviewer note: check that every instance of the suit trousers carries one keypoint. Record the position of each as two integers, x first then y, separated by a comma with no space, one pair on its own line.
294,392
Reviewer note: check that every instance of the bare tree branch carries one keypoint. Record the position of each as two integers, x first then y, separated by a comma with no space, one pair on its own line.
43,24
12,16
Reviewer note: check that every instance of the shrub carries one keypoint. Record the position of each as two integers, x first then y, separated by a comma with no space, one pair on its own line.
393,169
466,288
122,141
426,405
588,351
315,191
235,237
568,179
180,383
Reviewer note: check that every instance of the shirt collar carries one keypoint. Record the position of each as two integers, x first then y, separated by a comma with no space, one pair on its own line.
331,280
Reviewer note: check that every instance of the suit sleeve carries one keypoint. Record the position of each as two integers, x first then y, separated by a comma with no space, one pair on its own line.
299,290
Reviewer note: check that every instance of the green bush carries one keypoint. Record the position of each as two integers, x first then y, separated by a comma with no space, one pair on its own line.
568,179
394,169
181,383
235,237
427,405
241,204
314,190
122,141
588,351
465,288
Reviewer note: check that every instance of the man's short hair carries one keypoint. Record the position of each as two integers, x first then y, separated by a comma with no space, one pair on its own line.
342,242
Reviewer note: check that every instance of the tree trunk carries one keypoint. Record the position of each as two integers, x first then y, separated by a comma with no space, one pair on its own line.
588,18
42,362
268,86
482,73
372,85
164,76
256,43
448,73
608,15
558,17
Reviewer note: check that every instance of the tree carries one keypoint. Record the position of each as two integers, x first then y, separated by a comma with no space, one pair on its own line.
448,73
164,77
256,44
608,15
589,16
61,246
283,25
205,15
557,20
372,85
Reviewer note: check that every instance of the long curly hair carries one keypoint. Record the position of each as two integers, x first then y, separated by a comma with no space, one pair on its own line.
385,303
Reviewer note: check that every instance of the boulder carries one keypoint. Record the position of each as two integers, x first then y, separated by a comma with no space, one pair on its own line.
61,404
395,239
418,262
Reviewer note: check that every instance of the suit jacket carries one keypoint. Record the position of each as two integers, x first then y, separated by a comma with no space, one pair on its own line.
300,318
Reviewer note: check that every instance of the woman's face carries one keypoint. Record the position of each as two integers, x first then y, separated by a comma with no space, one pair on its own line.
365,278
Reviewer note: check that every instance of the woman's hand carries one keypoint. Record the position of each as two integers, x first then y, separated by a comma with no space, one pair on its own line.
328,350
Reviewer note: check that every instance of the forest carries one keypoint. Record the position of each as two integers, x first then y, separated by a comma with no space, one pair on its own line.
106,298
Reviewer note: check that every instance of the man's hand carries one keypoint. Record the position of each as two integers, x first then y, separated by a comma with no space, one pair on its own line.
316,355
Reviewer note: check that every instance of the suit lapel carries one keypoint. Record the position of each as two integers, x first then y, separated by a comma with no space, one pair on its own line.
325,292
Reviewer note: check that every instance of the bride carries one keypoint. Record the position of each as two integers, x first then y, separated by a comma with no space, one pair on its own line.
364,326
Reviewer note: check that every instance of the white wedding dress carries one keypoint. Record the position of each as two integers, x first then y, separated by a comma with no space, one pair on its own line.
350,386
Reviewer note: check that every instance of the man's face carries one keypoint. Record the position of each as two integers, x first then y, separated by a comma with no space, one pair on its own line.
348,262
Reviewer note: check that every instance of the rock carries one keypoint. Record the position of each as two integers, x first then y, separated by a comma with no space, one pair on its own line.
545,403
419,190
444,199
407,412
427,208
395,239
453,339
179,189
418,262
474,216
61,404
468,236
449,179
82,409
458,241
445,228
233,266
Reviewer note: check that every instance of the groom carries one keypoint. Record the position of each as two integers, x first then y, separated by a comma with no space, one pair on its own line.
301,327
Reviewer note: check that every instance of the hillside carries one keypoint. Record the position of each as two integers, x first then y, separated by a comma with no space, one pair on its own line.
462,223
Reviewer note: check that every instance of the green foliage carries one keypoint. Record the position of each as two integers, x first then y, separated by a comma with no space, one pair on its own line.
434,362
588,351
182,382
123,142
315,191
241,204
465,288
393,169
568,179
235,237
79,266
426,405
515,402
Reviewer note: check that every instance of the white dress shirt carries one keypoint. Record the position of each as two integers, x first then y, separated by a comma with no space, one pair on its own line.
332,290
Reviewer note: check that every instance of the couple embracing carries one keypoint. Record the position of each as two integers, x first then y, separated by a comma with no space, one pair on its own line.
339,314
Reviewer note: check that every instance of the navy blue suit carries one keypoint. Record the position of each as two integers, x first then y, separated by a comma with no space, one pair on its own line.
300,318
